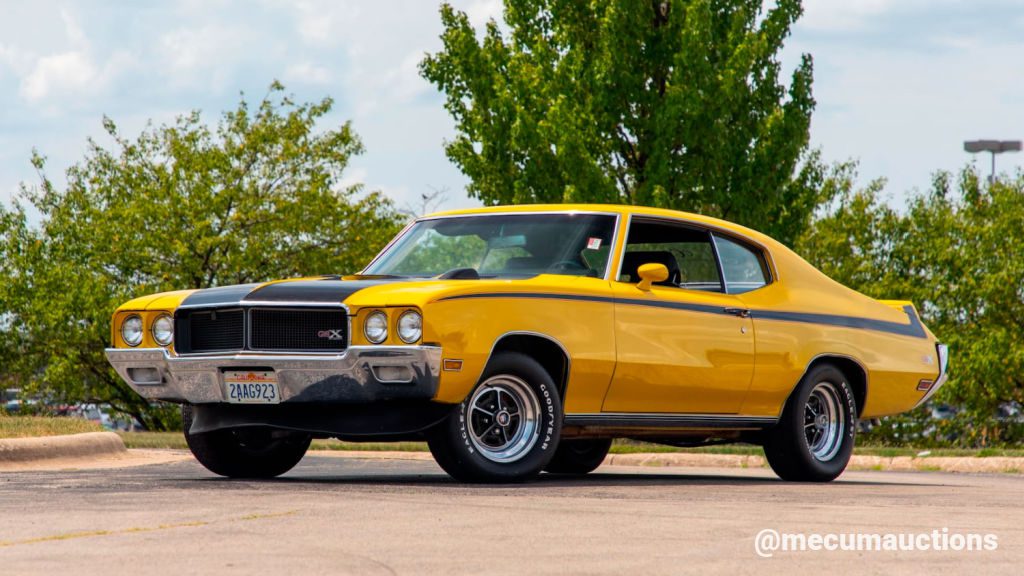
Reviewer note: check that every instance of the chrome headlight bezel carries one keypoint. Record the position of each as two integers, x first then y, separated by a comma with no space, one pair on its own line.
156,331
140,330
379,327
416,327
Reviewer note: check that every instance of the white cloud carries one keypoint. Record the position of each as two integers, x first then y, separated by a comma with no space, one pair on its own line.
353,175
64,72
65,76
403,83
203,57
307,73
839,15
481,11
325,22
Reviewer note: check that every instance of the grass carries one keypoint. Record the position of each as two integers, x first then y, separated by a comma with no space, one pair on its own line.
176,440
26,426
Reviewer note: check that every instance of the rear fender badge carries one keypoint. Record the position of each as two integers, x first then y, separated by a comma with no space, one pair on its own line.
331,334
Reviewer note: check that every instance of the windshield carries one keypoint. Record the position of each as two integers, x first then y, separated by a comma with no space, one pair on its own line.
501,245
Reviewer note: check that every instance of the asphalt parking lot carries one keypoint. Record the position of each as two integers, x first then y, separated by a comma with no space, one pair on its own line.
335,515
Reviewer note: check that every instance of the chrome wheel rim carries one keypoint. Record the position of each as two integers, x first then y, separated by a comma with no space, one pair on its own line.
502,418
824,421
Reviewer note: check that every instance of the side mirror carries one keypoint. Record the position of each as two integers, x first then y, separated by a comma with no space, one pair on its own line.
650,273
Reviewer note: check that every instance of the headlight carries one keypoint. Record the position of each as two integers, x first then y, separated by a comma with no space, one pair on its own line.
163,330
131,330
376,327
410,326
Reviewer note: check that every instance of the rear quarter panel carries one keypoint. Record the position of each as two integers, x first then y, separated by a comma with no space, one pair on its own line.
894,363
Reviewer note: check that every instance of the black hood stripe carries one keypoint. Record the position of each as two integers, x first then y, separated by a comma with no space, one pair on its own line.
325,291
220,296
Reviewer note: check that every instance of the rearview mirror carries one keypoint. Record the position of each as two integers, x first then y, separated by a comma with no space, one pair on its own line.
650,273
514,241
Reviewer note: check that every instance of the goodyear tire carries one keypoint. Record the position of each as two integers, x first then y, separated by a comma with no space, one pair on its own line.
245,453
578,456
507,429
814,438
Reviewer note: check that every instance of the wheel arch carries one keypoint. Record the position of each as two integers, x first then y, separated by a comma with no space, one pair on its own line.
546,350
855,373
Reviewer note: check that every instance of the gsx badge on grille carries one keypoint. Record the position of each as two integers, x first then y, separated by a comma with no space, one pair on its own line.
331,334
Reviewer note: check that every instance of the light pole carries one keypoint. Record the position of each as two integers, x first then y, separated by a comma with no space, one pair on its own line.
993,147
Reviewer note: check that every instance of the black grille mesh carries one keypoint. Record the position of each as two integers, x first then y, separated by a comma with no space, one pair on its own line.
298,329
270,330
211,331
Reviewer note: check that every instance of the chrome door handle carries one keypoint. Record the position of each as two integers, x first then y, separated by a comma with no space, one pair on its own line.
741,312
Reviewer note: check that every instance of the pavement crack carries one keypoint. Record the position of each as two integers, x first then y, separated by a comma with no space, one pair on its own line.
141,529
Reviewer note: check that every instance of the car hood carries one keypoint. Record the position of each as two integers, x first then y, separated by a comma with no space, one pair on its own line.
354,291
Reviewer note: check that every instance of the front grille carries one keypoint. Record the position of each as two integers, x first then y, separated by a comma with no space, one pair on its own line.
203,331
199,331
292,329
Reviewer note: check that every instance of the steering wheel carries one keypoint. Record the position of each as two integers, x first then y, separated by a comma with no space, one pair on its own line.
567,265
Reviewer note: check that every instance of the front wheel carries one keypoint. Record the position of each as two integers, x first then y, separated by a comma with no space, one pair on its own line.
814,438
507,429
246,452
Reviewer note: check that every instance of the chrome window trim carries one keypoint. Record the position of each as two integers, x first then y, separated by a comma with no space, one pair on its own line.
608,266
759,254
722,280
766,253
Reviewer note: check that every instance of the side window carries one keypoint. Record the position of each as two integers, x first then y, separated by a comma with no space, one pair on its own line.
743,268
686,252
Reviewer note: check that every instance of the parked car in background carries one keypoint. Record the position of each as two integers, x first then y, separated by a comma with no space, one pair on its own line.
521,339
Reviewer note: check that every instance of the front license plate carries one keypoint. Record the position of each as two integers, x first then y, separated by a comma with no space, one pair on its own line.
251,387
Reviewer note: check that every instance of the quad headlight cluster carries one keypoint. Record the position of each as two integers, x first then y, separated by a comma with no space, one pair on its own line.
409,327
133,328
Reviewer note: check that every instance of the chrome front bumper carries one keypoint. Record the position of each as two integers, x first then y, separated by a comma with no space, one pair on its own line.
359,374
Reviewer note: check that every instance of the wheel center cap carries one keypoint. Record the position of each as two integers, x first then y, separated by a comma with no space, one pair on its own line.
503,418
821,421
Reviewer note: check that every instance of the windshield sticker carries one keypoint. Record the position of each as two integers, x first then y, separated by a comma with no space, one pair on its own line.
593,243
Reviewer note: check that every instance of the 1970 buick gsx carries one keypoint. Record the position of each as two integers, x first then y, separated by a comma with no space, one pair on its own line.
521,339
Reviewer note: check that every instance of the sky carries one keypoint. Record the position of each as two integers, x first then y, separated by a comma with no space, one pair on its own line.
900,84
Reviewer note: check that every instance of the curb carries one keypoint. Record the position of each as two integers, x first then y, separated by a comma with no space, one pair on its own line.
21,450
969,465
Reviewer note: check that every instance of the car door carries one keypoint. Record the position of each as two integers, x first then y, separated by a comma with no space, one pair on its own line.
686,345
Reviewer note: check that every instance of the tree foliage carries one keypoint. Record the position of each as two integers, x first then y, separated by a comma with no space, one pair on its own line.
186,205
670,103
956,252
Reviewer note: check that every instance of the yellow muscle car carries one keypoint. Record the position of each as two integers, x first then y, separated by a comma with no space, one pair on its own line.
521,339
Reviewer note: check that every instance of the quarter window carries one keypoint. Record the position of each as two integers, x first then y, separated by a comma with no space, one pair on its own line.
743,268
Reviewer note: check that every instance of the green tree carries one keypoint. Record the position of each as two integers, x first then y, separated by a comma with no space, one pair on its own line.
670,103
186,205
956,252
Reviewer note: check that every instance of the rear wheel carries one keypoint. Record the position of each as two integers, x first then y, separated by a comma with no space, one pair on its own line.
508,427
246,452
578,456
814,438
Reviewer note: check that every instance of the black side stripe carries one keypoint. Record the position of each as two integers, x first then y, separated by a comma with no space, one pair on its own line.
644,420
914,328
